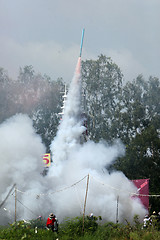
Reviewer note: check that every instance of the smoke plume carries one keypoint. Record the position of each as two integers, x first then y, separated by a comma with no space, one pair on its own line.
72,161
62,191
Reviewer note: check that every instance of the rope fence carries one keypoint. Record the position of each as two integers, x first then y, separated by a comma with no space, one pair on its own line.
102,183
74,185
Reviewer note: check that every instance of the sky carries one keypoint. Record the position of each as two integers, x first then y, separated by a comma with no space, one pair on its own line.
47,34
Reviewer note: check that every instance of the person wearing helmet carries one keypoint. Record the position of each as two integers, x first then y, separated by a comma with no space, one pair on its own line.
146,221
154,218
91,217
52,223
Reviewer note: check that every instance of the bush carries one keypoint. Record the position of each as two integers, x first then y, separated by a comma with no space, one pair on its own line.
71,229
24,231
39,223
74,226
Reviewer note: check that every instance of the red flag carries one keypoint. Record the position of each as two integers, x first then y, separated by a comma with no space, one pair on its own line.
143,189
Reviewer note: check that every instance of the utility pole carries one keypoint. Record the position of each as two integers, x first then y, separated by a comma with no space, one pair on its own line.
85,202
7,195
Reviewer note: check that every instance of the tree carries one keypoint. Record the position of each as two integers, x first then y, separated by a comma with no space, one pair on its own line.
6,104
45,116
102,80
26,74
142,160
35,95
132,115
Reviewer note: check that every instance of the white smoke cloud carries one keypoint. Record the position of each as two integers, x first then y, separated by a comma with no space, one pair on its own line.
21,152
63,190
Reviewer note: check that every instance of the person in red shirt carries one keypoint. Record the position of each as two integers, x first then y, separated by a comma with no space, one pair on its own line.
52,222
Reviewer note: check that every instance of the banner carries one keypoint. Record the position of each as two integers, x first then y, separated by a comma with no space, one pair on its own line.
47,159
143,189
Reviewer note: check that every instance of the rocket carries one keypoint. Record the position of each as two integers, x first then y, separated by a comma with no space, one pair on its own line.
81,42
78,67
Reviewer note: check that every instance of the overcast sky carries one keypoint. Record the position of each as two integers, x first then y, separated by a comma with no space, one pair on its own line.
47,34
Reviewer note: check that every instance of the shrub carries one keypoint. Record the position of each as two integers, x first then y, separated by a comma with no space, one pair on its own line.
72,227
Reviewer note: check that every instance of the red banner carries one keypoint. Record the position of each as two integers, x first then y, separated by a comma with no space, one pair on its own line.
143,189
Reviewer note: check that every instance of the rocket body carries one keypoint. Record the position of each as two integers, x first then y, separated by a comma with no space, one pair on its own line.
81,43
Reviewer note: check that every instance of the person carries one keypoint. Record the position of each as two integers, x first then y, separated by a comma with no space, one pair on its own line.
52,223
158,217
154,216
91,217
39,218
146,221
154,219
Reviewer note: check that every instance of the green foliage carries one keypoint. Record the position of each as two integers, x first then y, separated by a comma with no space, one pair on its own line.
35,95
142,160
71,229
74,226
21,230
40,223
105,78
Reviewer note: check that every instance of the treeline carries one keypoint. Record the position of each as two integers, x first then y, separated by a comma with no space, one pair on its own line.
35,95
128,111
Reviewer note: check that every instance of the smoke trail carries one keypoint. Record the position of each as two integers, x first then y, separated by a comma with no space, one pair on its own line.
70,128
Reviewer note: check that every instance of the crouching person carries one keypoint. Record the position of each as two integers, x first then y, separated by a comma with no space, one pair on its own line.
52,223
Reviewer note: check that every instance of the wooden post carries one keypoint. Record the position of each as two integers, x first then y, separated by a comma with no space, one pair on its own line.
15,217
117,209
85,202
